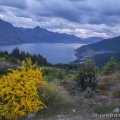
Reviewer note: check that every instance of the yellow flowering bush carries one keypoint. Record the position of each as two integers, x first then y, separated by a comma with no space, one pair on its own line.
3,58
70,76
19,91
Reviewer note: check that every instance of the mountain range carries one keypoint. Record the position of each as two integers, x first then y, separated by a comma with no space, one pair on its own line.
101,51
10,35
106,45
45,36
13,35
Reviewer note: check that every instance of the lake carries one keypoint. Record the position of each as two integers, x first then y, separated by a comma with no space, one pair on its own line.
53,52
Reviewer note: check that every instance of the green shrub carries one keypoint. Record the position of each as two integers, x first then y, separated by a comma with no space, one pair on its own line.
13,60
4,71
87,75
109,66
60,74
10,59
50,74
102,110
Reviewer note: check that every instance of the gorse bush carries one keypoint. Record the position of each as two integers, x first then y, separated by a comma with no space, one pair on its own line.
19,91
70,76
86,75
109,66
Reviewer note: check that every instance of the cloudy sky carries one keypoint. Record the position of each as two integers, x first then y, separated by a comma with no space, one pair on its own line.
83,18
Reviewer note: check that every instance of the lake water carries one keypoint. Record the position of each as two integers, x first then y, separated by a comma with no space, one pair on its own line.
53,52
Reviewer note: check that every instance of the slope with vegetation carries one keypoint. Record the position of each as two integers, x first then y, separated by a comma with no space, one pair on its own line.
104,45
26,90
52,93
101,51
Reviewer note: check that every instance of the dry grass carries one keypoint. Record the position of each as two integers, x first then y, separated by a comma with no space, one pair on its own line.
116,93
69,85
64,93
103,102
116,77
104,85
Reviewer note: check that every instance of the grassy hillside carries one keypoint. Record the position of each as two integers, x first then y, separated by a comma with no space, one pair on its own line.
68,103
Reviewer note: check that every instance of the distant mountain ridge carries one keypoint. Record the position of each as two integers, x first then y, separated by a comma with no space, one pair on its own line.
107,44
93,40
45,36
101,51
10,35
13,35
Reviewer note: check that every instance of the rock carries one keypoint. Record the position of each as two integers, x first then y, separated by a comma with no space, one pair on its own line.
6,64
99,103
62,119
73,110
60,116
85,100
117,110
30,115
89,93
95,115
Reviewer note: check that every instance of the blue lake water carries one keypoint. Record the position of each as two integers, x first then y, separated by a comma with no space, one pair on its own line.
53,52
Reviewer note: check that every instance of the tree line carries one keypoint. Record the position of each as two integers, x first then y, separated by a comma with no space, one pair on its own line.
17,56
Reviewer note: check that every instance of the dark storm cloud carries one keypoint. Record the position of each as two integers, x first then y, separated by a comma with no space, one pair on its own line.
82,11
68,14
110,8
2,10
80,17
76,0
14,3
102,19
60,9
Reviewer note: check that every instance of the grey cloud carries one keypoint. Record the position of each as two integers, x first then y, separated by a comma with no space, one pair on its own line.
59,10
68,15
77,0
2,10
82,12
19,13
65,15
110,7
102,19
12,3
